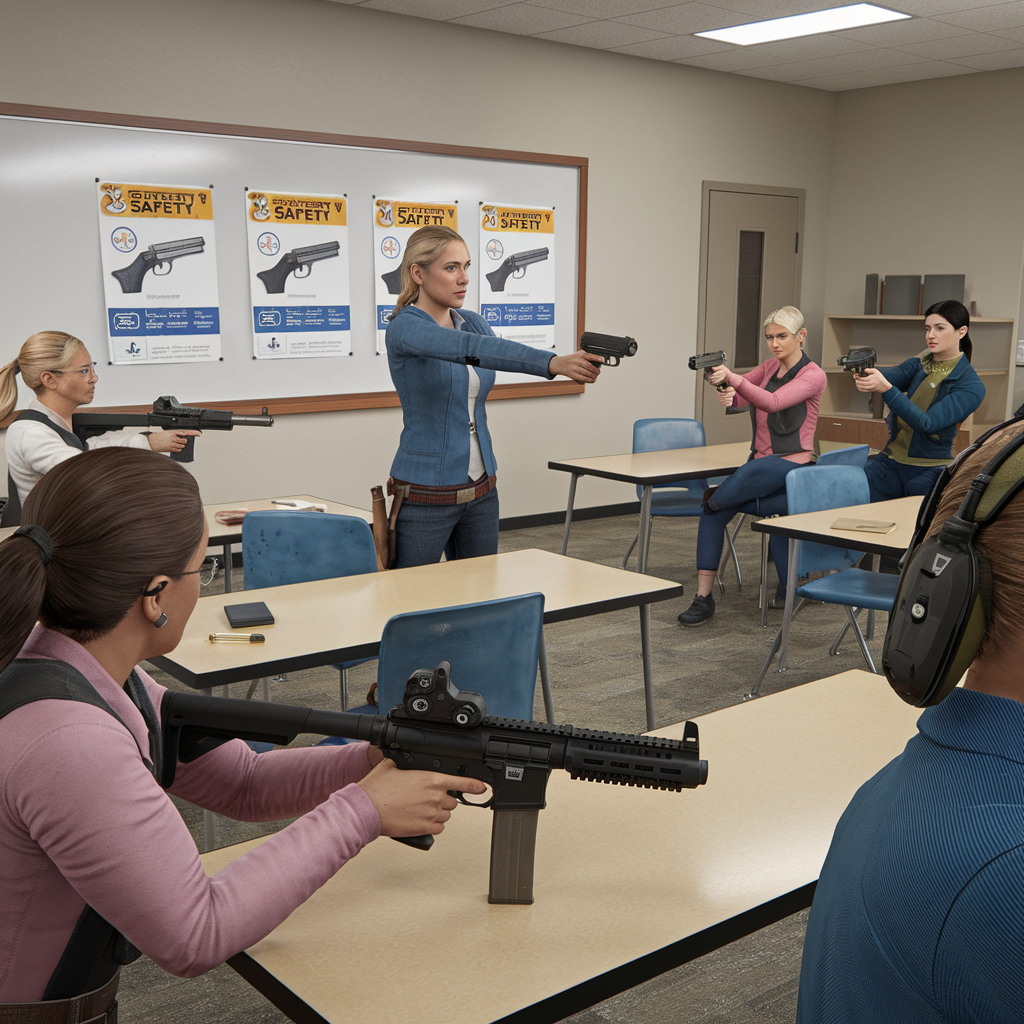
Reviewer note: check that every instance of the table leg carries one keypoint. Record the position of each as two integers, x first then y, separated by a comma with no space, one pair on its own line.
787,617
644,534
645,648
764,581
568,511
869,633
227,569
545,681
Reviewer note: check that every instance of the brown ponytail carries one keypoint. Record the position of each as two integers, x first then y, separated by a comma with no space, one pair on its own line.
424,246
117,517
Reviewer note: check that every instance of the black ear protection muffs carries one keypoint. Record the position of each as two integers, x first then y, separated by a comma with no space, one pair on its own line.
945,591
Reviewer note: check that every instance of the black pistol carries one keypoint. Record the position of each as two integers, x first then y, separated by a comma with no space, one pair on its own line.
858,360
609,346
706,362
293,262
130,277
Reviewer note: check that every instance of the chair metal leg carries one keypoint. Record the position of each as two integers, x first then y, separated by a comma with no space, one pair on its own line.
777,643
568,511
252,688
731,538
876,564
860,639
629,551
545,681
344,689
787,616
834,649
644,539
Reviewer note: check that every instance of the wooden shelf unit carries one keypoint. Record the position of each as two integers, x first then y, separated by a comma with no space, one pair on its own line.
847,415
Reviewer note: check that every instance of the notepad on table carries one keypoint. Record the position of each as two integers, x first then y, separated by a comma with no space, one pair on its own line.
301,506
864,525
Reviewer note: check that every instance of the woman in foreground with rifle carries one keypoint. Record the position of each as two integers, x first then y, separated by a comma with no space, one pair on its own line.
94,857
59,369
785,392
442,360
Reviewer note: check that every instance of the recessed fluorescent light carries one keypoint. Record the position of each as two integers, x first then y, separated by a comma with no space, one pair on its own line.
832,20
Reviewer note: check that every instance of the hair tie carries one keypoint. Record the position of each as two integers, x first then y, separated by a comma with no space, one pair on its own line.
40,538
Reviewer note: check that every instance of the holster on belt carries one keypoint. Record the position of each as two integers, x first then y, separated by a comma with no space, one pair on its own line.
96,1007
384,523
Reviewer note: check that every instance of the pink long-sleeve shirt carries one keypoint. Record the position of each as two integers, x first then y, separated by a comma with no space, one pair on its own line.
785,409
82,820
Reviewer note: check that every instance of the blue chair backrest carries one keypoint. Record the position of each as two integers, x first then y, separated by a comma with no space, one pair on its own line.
854,455
814,488
661,434
493,647
294,547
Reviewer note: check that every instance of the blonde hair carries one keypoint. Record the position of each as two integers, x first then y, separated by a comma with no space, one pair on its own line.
45,350
786,316
424,246
999,542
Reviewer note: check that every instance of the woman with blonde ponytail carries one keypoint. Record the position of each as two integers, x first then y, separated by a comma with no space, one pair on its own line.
59,369
93,584
442,360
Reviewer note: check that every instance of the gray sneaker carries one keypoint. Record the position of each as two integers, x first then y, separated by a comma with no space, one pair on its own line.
699,612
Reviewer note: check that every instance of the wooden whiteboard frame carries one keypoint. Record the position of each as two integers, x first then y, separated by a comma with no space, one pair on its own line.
359,400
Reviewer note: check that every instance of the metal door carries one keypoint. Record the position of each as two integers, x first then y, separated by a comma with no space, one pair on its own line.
750,265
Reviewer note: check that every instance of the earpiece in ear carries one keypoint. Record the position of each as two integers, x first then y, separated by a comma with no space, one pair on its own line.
161,621
155,590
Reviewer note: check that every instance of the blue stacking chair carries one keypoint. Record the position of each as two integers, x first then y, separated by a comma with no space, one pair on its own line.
494,648
813,489
287,546
680,498
853,455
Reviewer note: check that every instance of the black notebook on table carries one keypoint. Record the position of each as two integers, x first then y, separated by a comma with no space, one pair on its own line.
256,613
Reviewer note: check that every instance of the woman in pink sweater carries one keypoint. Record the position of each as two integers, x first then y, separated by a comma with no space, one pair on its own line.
95,583
784,393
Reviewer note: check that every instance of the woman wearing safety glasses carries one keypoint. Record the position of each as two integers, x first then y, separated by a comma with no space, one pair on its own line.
59,369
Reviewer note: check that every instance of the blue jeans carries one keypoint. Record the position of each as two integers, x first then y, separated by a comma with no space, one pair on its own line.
757,487
424,531
888,478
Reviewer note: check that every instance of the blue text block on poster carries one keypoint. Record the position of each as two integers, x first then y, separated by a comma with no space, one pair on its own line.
290,319
518,314
163,321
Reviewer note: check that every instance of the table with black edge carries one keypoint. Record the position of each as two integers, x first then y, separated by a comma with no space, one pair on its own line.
645,469
629,883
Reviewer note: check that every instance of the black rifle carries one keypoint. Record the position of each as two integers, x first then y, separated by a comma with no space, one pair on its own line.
705,362
168,415
130,277
393,280
292,262
439,728
515,263
609,346
858,360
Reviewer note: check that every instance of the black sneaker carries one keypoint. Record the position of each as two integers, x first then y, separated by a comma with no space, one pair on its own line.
779,600
699,612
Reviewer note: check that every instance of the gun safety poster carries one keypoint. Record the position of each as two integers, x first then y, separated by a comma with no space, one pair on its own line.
517,272
159,260
394,220
298,275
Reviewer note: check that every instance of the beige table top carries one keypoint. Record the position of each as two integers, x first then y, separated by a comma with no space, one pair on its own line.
221,534
816,526
661,467
326,621
621,874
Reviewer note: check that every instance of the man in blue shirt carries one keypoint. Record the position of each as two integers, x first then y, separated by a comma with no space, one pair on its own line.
919,912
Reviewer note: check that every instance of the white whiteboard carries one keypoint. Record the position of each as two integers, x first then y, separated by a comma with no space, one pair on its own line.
50,276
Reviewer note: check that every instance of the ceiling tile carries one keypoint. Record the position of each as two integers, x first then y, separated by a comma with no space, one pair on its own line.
763,9
988,19
833,83
438,10
814,47
673,48
867,60
933,8
794,71
917,72
602,8
1012,33
740,58
685,18
602,35
522,19
960,46
993,61
901,33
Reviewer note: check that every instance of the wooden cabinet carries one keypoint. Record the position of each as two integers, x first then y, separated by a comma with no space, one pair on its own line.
848,415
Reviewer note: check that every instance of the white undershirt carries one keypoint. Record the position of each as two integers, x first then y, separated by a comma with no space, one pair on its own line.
476,457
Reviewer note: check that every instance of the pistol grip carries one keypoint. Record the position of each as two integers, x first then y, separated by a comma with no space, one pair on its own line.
187,454
416,842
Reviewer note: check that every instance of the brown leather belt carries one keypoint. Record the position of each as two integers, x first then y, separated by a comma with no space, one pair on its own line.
457,494
96,1007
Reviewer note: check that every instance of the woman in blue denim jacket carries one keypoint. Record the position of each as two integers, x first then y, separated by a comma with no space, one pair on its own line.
927,398
442,361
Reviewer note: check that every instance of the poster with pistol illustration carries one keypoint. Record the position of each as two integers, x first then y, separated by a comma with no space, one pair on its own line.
298,274
394,220
159,259
517,272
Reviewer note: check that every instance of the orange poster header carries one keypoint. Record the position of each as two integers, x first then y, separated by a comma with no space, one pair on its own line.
164,201
517,218
280,208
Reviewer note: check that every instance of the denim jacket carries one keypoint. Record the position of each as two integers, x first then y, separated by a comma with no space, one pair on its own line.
428,367
959,394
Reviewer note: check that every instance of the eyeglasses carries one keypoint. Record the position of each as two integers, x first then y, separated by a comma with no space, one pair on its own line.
86,371
207,572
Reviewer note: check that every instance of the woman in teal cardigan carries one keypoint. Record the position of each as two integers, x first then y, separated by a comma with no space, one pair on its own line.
442,360
927,398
